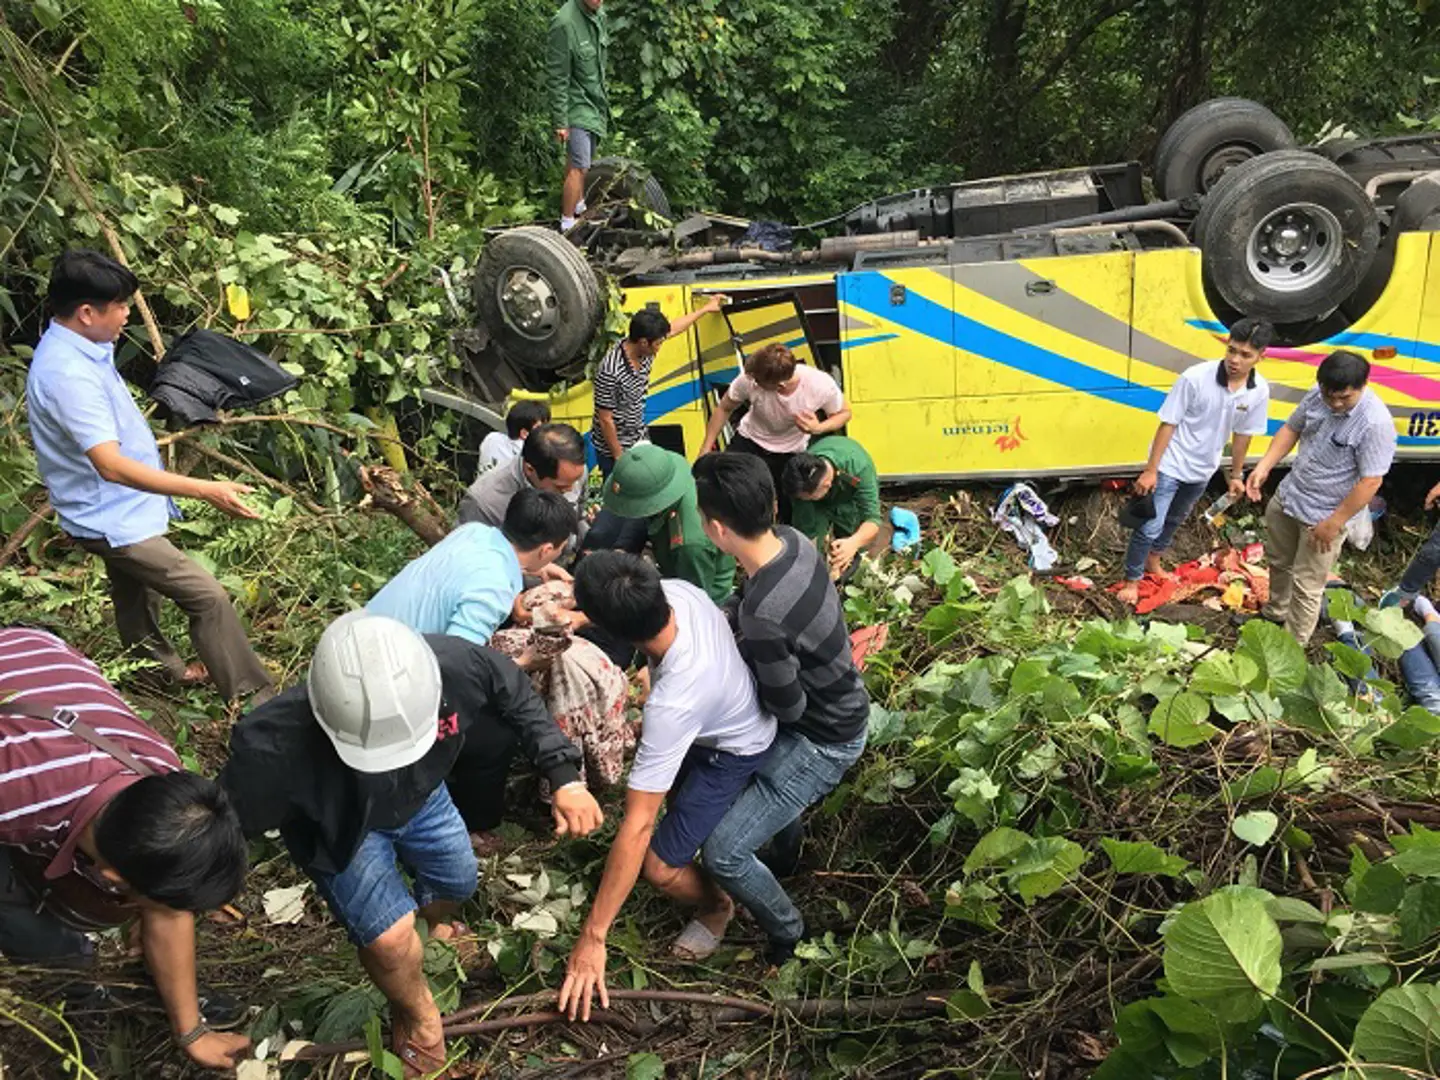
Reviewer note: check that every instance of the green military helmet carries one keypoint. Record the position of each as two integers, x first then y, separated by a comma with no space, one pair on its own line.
646,481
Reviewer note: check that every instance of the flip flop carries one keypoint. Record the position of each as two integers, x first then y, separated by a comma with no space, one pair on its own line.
695,943
423,1061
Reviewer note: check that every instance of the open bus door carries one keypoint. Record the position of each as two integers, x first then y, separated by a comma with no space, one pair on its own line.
752,323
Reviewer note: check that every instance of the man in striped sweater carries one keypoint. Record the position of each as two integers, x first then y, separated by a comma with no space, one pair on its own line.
793,636
168,842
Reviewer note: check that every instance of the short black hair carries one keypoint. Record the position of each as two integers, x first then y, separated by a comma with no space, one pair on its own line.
649,324
526,416
803,474
1343,370
736,490
538,517
1253,331
622,595
81,276
175,838
550,444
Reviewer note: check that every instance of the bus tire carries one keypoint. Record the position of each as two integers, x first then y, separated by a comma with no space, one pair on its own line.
617,179
538,297
1417,208
1286,236
1213,137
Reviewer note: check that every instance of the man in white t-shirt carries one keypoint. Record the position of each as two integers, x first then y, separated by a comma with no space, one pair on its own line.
1208,404
703,737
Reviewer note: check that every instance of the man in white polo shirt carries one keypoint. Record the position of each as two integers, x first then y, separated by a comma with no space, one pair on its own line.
1209,403
704,735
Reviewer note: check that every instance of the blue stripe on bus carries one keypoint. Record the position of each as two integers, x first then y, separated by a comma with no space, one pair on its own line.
1420,350
873,339
871,293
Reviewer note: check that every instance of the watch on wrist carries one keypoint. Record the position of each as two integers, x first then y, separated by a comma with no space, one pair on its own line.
193,1035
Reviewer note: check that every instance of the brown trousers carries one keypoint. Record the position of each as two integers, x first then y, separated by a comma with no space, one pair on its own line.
140,574
1298,571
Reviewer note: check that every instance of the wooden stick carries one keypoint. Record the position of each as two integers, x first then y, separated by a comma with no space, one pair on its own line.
17,539
251,470
685,997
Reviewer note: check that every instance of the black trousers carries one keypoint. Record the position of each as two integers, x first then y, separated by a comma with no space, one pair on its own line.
775,462
477,780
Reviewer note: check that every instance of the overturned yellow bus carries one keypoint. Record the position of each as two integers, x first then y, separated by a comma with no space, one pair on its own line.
1025,326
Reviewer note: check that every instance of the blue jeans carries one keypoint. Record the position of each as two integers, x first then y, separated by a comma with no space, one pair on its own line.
1421,668
610,532
1421,571
369,896
1173,502
798,773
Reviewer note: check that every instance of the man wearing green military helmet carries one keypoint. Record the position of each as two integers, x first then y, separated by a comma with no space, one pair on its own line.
656,486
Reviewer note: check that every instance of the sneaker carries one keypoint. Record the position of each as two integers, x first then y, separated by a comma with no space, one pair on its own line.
1422,606
777,951
1396,598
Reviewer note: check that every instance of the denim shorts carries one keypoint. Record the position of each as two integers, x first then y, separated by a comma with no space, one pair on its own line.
707,786
580,148
370,895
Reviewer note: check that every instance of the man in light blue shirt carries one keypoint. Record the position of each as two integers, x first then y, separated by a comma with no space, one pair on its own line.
101,466
467,584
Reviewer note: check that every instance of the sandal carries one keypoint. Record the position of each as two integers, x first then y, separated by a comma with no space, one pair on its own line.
424,1061
695,943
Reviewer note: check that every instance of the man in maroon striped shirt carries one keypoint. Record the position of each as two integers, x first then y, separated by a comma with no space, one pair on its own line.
169,842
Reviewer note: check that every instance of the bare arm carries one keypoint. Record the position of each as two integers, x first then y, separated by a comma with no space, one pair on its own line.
115,467
1283,442
718,419
1145,483
834,422
684,322
585,972
606,419
167,938
1239,448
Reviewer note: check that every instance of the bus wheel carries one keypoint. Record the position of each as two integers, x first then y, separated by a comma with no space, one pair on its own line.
1286,236
538,297
1212,138
620,180
1417,209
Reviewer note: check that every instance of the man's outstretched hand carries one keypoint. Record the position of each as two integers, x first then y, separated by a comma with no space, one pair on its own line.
584,975
576,811
219,1050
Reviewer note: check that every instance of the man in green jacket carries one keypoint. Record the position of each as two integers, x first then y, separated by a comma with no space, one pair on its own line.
835,492
656,485
579,44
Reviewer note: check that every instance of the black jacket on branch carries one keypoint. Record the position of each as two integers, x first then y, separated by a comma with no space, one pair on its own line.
205,371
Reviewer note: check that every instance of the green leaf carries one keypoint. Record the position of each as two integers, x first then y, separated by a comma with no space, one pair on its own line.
1419,913
939,566
1224,953
1275,652
1347,961
644,1067
1224,674
1416,727
1417,862
1402,1027
1182,720
966,1005
1292,909
1044,867
1351,662
1143,857
1256,827
1391,634
1381,890
996,848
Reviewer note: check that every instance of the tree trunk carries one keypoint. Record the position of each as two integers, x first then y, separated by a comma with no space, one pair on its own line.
407,500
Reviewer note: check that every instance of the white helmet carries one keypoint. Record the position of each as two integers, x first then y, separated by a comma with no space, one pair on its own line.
375,689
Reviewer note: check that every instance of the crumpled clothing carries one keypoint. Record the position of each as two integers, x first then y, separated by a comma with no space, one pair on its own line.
584,691
1241,585
1024,515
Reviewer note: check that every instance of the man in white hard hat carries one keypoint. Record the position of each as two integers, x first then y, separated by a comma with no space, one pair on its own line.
351,768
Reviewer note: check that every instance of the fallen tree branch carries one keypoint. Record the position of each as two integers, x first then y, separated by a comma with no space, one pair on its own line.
411,503
321,1051
729,1010
251,470
274,418
16,540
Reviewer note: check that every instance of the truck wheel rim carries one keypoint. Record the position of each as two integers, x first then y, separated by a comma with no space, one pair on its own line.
528,302
1221,161
1294,247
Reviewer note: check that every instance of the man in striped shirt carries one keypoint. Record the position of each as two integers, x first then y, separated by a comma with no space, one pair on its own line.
1347,442
170,842
793,636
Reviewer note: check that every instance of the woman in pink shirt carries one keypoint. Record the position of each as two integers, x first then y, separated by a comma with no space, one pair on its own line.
785,398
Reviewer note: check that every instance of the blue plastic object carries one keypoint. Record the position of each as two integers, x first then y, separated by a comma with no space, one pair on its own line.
907,528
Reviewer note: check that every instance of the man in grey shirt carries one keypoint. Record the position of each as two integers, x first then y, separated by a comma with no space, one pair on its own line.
1347,442
552,459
